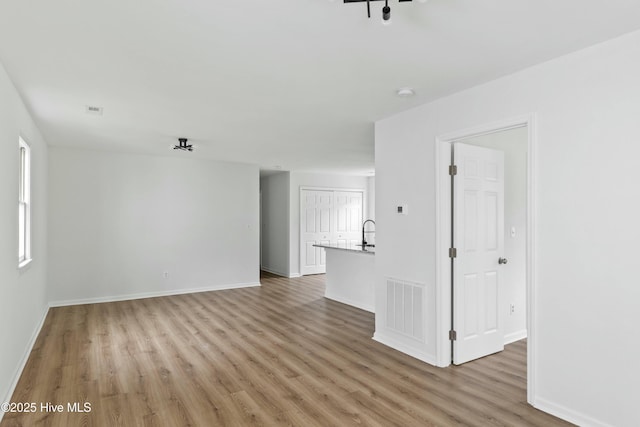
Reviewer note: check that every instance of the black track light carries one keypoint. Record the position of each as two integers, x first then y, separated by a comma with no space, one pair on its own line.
386,10
386,14
183,145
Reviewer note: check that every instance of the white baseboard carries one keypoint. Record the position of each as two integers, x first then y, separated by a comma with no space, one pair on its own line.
23,361
280,273
515,336
365,307
403,348
151,294
276,272
567,414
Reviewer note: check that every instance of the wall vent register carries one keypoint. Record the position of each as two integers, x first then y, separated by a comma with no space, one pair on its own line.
405,308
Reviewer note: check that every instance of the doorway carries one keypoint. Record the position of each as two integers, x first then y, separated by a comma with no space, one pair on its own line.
518,303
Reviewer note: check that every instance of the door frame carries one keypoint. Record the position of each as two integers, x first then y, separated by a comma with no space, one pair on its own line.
300,207
443,233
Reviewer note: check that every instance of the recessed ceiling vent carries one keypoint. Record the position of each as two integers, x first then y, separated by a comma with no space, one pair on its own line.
92,109
183,145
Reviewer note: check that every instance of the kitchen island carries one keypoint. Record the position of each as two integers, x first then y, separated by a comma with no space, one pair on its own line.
350,275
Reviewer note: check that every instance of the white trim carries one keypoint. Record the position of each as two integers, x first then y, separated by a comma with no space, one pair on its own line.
24,198
309,188
532,145
23,361
486,129
443,276
276,272
365,307
402,347
279,273
129,297
443,224
568,414
24,263
515,336
306,187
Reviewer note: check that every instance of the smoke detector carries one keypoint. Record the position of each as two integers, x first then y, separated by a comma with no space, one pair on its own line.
183,145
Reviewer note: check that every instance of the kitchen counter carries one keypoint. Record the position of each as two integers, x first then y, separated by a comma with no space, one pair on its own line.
350,275
371,250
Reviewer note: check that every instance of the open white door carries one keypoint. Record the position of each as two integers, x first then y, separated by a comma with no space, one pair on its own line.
478,223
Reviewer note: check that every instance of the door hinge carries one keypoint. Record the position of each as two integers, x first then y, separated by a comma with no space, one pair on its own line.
453,336
453,252
453,170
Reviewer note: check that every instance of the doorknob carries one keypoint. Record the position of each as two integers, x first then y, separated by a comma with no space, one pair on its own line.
502,260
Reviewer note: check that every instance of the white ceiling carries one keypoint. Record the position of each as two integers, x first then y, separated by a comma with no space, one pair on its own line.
293,83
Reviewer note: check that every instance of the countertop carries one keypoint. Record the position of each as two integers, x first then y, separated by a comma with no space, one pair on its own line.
350,248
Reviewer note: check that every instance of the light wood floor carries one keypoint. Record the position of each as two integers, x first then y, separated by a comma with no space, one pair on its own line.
276,355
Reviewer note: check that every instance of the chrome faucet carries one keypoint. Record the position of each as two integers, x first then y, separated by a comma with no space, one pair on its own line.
364,242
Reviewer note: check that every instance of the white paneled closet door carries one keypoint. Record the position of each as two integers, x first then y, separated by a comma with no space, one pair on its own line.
348,218
316,227
327,217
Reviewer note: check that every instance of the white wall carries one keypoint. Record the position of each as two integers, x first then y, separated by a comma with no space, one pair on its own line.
301,179
371,195
513,143
275,223
117,222
405,244
586,288
370,212
22,292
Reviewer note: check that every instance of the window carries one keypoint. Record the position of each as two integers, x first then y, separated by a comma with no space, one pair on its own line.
24,205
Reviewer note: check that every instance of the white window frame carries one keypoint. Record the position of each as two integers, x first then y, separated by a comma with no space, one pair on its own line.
24,204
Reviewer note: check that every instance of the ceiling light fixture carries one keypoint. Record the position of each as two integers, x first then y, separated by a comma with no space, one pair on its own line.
405,92
386,13
183,145
386,10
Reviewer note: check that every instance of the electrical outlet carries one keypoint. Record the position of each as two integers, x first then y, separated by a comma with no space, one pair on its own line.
512,309
165,274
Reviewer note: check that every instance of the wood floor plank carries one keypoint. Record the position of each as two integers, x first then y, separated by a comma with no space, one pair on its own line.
277,355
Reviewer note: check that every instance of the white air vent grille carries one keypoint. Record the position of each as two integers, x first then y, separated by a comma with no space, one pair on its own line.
405,308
